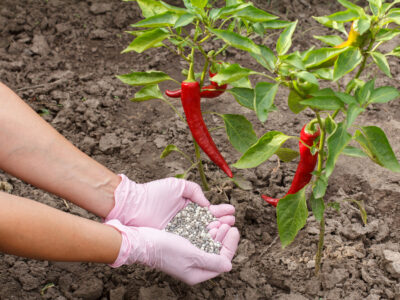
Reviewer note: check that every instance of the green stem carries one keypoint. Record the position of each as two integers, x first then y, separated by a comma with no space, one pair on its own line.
365,57
320,246
174,109
191,76
205,68
321,158
200,167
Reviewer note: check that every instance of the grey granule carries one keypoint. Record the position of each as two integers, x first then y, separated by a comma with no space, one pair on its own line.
191,223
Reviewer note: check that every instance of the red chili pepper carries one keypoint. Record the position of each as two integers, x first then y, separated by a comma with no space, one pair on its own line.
305,167
190,98
212,90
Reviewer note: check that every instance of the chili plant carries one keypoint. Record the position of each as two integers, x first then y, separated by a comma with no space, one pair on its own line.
185,31
317,83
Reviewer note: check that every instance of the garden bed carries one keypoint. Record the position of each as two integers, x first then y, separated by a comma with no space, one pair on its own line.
61,57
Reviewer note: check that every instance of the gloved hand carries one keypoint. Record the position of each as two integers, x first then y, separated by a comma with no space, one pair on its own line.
173,254
155,203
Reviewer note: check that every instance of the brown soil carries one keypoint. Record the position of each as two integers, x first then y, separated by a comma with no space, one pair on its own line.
61,57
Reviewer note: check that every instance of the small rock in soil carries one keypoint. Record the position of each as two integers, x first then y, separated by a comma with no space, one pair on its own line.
109,142
28,282
335,277
100,8
99,34
118,293
89,289
155,292
392,262
40,45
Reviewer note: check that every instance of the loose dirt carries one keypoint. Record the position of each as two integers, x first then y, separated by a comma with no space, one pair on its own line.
61,57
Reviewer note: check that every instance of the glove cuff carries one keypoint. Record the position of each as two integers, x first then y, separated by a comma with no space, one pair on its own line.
122,193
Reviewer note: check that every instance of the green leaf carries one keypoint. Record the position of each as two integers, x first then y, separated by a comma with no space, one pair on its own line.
240,132
244,96
320,56
253,14
308,79
384,94
323,103
330,124
331,24
364,93
148,92
236,40
336,143
375,6
381,62
344,16
149,39
275,24
386,34
353,7
144,78
262,150
331,40
228,10
394,15
346,98
347,62
184,20
167,151
295,60
292,215
353,112
285,39
395,52
242,183
318,207
294,100
243,82
199,3
320,186
324,73
354,152
232,73
377,144
151,7
161,20
362,25
267,58
265,93
286,154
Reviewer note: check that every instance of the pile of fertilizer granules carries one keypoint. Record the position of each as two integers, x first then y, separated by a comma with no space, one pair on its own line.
191,223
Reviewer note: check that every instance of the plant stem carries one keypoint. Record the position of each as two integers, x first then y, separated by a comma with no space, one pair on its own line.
320,246
200,167
321,158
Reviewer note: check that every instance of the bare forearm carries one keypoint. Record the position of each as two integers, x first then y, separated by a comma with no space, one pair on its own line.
31,229
35,152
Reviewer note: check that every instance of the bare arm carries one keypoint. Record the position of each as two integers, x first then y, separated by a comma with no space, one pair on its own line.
35,152
34,230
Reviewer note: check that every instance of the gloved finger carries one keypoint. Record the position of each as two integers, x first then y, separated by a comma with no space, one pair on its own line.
221,210
221,233
212,262
230,220
213,232
213,224
199,276
193,192
230,243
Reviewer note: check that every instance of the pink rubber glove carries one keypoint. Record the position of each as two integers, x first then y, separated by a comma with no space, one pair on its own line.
155,203
173,254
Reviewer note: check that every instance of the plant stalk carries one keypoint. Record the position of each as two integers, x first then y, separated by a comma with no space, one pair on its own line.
321,159
200,167
320,246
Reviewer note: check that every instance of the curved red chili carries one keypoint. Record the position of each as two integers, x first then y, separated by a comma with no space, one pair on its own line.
190,97
212,90
305,167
